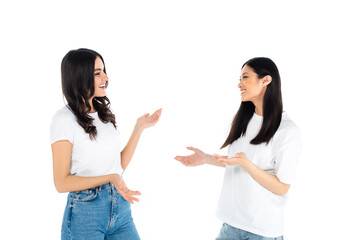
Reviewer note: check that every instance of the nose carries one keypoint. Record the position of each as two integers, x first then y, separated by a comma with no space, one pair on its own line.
239,85
105,77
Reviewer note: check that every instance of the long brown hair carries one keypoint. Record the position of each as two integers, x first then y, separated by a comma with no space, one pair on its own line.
77,81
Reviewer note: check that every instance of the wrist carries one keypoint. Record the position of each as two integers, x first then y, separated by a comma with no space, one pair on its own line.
113,177
138,128
208,159
245,163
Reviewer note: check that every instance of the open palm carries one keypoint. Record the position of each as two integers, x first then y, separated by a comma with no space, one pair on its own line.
148,120
196,159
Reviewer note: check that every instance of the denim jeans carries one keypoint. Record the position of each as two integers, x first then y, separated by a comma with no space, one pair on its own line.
98,213
228,232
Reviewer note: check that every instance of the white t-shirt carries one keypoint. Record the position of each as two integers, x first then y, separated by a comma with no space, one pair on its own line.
244,203
89,158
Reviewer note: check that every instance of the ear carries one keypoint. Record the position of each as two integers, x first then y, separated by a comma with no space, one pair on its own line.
266,80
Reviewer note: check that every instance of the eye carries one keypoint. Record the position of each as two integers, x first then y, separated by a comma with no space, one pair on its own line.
97,73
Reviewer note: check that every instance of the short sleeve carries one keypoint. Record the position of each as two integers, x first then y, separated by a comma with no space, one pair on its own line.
287,156
62,127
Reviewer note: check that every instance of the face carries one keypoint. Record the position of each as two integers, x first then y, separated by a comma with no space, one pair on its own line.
252,88
100,78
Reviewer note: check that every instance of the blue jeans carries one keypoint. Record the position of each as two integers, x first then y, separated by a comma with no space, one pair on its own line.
98,213
228,232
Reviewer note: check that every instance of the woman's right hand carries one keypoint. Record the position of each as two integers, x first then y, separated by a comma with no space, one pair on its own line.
196,159
121,187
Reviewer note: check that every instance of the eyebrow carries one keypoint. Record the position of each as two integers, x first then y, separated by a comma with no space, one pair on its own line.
244,73
97,69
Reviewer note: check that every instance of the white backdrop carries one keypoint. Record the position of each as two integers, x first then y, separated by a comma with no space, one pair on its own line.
184,56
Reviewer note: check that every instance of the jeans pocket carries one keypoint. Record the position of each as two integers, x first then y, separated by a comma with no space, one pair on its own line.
84,196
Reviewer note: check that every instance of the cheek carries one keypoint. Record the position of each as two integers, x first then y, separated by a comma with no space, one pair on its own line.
253,88
97,81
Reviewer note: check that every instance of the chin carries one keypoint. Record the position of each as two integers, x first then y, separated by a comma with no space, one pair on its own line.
100,95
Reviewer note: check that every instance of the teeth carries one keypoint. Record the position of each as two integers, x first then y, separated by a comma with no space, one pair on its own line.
102,85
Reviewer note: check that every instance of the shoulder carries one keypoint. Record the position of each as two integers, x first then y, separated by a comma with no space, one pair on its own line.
288,128
64,112
62,115
288,124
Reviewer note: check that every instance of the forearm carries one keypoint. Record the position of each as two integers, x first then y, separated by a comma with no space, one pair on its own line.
211,160
267,180
128,152
72,183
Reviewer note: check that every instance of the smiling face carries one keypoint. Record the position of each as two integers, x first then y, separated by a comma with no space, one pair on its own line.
100,79
252,88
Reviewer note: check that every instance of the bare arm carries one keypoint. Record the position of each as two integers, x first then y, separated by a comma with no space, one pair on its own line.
64,182
199,158
128,151
267,180
143,122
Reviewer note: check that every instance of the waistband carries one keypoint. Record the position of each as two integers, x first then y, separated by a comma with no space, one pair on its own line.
106,186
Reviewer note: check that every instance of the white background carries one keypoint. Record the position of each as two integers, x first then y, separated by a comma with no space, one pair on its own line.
183,56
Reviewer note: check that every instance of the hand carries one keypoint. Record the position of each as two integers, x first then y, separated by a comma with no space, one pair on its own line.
219,156
146,120
123,190
239,159
196,159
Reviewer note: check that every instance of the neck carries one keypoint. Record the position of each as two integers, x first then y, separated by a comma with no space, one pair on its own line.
258,107
92,110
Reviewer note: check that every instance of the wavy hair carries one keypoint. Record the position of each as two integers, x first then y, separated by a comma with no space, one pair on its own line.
272,106
77,81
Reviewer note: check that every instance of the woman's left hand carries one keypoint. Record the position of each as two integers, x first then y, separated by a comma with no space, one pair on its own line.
148,120
239,159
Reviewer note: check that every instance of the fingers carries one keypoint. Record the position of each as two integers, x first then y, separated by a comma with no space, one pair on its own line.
238,159
227,161
131,198
179,158
240,154
192,149
128,195
134,192
155,116
217,156
183,160
157,113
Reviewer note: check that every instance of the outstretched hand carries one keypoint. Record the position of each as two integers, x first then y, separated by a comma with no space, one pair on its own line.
148,120
196,159
126,193
238,159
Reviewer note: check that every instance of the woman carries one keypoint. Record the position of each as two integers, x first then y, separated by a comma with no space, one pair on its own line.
264,146
86,153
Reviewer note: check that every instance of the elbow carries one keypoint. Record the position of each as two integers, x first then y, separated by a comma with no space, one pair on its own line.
281,193
60,188
283,189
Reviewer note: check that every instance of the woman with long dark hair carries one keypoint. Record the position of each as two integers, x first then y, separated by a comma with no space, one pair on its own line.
87,159
264,147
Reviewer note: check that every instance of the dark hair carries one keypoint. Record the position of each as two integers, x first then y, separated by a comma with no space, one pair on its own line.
77,81
272,105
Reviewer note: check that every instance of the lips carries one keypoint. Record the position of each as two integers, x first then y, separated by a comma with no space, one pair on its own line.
102,86
243,91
